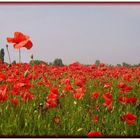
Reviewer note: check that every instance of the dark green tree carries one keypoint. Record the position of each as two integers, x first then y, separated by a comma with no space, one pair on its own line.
2,53
14,62
32,62
97,62
119,65
125,64
58,62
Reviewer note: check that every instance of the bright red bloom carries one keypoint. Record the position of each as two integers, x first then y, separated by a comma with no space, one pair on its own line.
20,41
138,81
107,85
52,96
107,102
79,82
2,76
68,87
3,93
122,99
101,64
124,88
95,119
131,100
94,134
95,95
15,90
125,99
127,77
78,94
107,95
67,81
27,96
121,85
14,101
129,118
93,66
54,90
51,103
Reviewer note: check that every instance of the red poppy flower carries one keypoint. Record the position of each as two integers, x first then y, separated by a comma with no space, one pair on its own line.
95,95
78,94
121,85
107,95
3,93
107,102
122,99
138,81
95,119
67,81
51,103
125,99
107,85
79,82
110,108
53,96
94,134
127,77
20,41
27,96
124,88
54,90
131,100
68,87
129,118
14,101
2,76
101,64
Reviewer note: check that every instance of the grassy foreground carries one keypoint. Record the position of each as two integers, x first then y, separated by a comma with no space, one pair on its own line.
74,100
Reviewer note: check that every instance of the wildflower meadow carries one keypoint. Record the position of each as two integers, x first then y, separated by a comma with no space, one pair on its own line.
73,100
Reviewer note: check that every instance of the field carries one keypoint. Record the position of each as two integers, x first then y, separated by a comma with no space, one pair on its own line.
69,101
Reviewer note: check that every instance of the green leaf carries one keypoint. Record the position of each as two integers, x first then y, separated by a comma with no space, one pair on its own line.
80,129
26,73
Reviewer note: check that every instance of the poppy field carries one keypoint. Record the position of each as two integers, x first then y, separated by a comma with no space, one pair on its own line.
71,101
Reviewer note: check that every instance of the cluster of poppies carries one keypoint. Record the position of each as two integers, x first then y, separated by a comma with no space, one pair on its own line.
18,80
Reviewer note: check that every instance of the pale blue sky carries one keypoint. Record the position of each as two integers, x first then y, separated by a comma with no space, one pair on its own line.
84,33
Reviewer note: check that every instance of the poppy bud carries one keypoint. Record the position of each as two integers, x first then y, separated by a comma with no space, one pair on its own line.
32,56
56,119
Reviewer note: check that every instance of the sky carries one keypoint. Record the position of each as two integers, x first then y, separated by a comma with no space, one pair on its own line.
83,33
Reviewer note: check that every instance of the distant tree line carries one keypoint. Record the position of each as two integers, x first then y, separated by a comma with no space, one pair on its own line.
56,62
129,65
59,62
97,62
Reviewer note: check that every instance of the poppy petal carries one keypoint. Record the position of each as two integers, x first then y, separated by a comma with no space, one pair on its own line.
10,40
20,37
20,45
28,45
